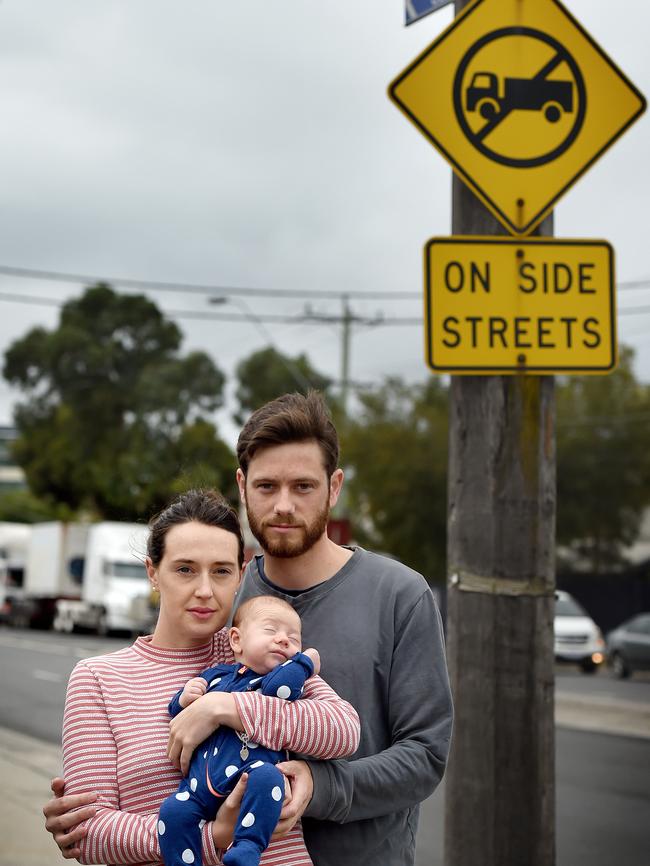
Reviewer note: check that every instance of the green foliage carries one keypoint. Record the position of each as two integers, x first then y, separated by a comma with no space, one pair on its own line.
395,454
205,461
21,506
603,462
268,374
114,418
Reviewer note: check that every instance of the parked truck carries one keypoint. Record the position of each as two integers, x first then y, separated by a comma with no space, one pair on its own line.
115,590
82,576
53,568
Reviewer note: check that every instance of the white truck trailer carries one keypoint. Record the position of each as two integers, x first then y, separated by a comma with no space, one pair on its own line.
53,570
114,582
14,544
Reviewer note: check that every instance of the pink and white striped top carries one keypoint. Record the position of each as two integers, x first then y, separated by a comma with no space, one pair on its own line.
115,731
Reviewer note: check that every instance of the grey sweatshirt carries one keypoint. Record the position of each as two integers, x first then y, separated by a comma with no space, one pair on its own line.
379,634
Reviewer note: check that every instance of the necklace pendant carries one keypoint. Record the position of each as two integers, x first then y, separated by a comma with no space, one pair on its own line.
243,752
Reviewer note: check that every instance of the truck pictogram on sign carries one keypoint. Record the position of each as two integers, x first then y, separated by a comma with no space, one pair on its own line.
527,94
496,113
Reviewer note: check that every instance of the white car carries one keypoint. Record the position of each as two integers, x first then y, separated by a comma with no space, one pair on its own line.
578,639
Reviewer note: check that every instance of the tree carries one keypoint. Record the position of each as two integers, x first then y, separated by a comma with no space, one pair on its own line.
395,454
603,463
114,416
21,506
268,374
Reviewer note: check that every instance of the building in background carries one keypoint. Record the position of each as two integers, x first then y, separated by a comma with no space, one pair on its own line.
12,476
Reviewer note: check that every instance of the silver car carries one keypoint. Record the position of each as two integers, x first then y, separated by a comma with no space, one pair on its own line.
628,646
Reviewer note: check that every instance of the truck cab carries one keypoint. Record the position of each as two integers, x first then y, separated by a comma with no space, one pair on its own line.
114,577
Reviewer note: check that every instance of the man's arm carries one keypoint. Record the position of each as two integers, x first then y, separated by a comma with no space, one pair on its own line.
64,813
65,817
420,720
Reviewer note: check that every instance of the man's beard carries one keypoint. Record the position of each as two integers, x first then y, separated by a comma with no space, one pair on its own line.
285,547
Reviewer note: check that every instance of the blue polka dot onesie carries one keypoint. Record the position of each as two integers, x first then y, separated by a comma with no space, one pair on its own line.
217,765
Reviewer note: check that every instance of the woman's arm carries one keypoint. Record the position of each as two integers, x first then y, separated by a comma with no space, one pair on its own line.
320,724
90,765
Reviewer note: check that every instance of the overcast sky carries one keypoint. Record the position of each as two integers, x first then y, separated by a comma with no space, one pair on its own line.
252,144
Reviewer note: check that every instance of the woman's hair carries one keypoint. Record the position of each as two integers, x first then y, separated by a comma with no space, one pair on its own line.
203,506
290,418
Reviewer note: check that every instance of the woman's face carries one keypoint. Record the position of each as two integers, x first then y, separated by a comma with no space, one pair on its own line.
197,579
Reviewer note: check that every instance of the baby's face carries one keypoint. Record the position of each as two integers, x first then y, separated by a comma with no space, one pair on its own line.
267,637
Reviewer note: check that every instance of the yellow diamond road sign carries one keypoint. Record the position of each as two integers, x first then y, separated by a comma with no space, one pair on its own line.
504,305
520,100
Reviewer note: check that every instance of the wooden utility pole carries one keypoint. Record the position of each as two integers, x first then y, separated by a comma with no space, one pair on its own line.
500,793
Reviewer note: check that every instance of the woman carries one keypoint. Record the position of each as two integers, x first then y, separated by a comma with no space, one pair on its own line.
116,729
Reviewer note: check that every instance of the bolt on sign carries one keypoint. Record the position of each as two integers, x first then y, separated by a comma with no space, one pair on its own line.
520,100
496,305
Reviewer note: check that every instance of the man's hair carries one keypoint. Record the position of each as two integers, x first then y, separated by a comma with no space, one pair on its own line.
247,608
203,506
290,418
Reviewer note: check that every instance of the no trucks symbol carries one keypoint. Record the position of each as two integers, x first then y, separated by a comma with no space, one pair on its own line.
520,100
514,119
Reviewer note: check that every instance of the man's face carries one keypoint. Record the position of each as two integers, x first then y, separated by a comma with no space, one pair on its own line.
288,497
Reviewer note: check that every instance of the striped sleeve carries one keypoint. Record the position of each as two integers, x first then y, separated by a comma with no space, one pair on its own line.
90,764
288,851
320,724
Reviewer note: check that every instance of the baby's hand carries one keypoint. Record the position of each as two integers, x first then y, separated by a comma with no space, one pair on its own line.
314,655
193,690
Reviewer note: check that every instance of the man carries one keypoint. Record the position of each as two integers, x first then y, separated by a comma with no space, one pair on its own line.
378,631
375,624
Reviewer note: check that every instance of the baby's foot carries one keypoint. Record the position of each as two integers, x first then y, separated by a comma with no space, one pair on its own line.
242,854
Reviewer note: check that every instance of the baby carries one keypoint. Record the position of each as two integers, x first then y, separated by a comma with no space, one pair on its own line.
266,641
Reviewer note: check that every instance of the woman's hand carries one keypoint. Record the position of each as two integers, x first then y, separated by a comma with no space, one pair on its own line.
223,826
63,816
198,721
301,789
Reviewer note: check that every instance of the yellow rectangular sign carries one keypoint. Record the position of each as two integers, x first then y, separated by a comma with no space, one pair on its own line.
504,305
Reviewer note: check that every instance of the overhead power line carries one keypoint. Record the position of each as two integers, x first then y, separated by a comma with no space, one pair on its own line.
197,288
308,316
252,291
634,284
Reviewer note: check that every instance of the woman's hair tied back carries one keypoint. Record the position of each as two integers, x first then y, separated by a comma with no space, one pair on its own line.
205,506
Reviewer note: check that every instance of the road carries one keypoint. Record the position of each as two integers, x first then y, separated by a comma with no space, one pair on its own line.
603,783
35,670
603,684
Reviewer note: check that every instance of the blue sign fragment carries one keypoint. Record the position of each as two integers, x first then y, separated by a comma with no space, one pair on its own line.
416,9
